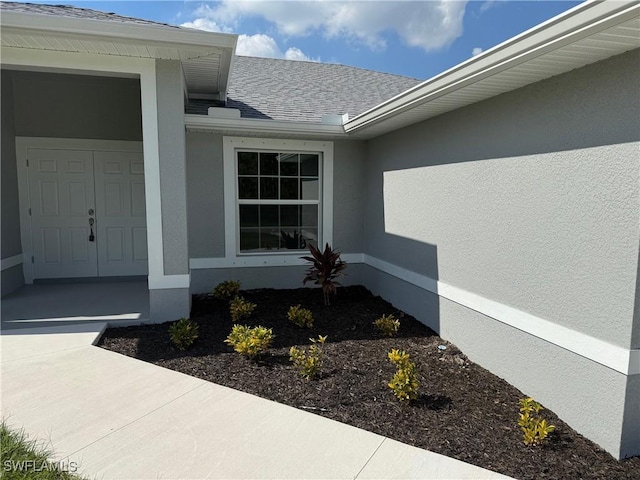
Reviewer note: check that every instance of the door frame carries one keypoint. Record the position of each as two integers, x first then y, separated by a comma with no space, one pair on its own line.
22,146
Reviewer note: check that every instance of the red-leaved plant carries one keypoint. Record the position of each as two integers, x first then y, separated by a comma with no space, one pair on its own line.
326,267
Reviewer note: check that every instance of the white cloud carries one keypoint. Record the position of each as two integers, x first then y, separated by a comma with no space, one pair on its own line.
260,45
476,51
203,24
428,25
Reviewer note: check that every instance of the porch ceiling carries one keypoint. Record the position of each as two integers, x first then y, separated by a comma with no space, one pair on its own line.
206,57
590,32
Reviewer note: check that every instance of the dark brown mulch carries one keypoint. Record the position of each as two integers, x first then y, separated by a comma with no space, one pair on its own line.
464,411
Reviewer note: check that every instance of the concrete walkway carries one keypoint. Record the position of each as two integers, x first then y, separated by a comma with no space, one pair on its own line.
120,418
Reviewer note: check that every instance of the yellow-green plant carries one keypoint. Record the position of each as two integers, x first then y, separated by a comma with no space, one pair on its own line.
387,324
248,341
183,333
535,429
308,363
300,316
227,290
405,381
240,308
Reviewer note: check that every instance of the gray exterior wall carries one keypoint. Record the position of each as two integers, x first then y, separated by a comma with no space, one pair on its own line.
529,199
12,278
173,183
205,196
77,106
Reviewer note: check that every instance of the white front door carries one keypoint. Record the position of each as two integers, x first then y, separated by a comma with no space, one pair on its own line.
87,213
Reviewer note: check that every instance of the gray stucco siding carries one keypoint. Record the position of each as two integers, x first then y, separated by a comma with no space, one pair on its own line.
172,150
77,106
205,192
529,199
205,195
12,278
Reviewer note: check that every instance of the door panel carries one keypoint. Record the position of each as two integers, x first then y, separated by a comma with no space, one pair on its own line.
62,192
121,234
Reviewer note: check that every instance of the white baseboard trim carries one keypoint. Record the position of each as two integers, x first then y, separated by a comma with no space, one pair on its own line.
169,281
626,361
618,358
272,260
11,262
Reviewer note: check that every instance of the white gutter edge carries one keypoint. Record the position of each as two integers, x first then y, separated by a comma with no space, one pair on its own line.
102,28
587,19
251,125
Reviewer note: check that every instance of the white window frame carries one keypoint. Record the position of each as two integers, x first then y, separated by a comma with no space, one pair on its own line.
230,146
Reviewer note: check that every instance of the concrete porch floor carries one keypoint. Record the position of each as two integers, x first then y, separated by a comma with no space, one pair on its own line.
118,302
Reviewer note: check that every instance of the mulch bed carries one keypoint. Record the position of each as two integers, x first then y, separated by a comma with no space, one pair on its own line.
464,411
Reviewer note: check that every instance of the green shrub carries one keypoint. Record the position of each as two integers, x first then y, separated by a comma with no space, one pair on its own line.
248,341
227,290
387,324
535,429
240,308
405,381
308,363
300,316
326,266
183,333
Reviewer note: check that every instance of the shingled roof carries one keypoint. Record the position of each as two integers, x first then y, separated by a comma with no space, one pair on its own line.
75,12
306,91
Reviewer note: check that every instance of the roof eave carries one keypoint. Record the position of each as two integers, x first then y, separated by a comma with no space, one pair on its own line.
203,123
576,24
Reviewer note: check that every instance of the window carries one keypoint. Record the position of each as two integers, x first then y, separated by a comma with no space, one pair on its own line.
278,192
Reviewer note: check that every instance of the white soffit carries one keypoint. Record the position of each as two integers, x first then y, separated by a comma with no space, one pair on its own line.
588,33
206,57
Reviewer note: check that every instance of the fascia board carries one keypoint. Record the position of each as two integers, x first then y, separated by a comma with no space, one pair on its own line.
250,125
575,24
48,24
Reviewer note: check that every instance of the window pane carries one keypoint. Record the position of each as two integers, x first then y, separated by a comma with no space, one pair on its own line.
247,163
249,216
289,165
309,188
269,187
310,236
269,239
309,215
289,188
289,215
249,239
291,239
308,165
268,164
247,187
269,215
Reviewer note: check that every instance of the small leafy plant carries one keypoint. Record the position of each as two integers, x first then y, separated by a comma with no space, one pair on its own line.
248,341
535,429
183,333
300,316
292,241
387,324
227,290
308,363
405,381
240,308
326,266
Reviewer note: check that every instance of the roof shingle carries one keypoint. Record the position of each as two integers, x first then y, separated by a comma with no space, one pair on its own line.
306,91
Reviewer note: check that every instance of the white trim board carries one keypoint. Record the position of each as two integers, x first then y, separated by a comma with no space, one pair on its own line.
11,262
620,359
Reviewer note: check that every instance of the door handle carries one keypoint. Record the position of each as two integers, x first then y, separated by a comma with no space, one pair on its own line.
92,237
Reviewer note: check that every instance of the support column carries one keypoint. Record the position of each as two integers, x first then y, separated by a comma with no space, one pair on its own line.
166,195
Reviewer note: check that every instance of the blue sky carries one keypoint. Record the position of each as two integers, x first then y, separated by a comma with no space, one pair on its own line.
413,38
